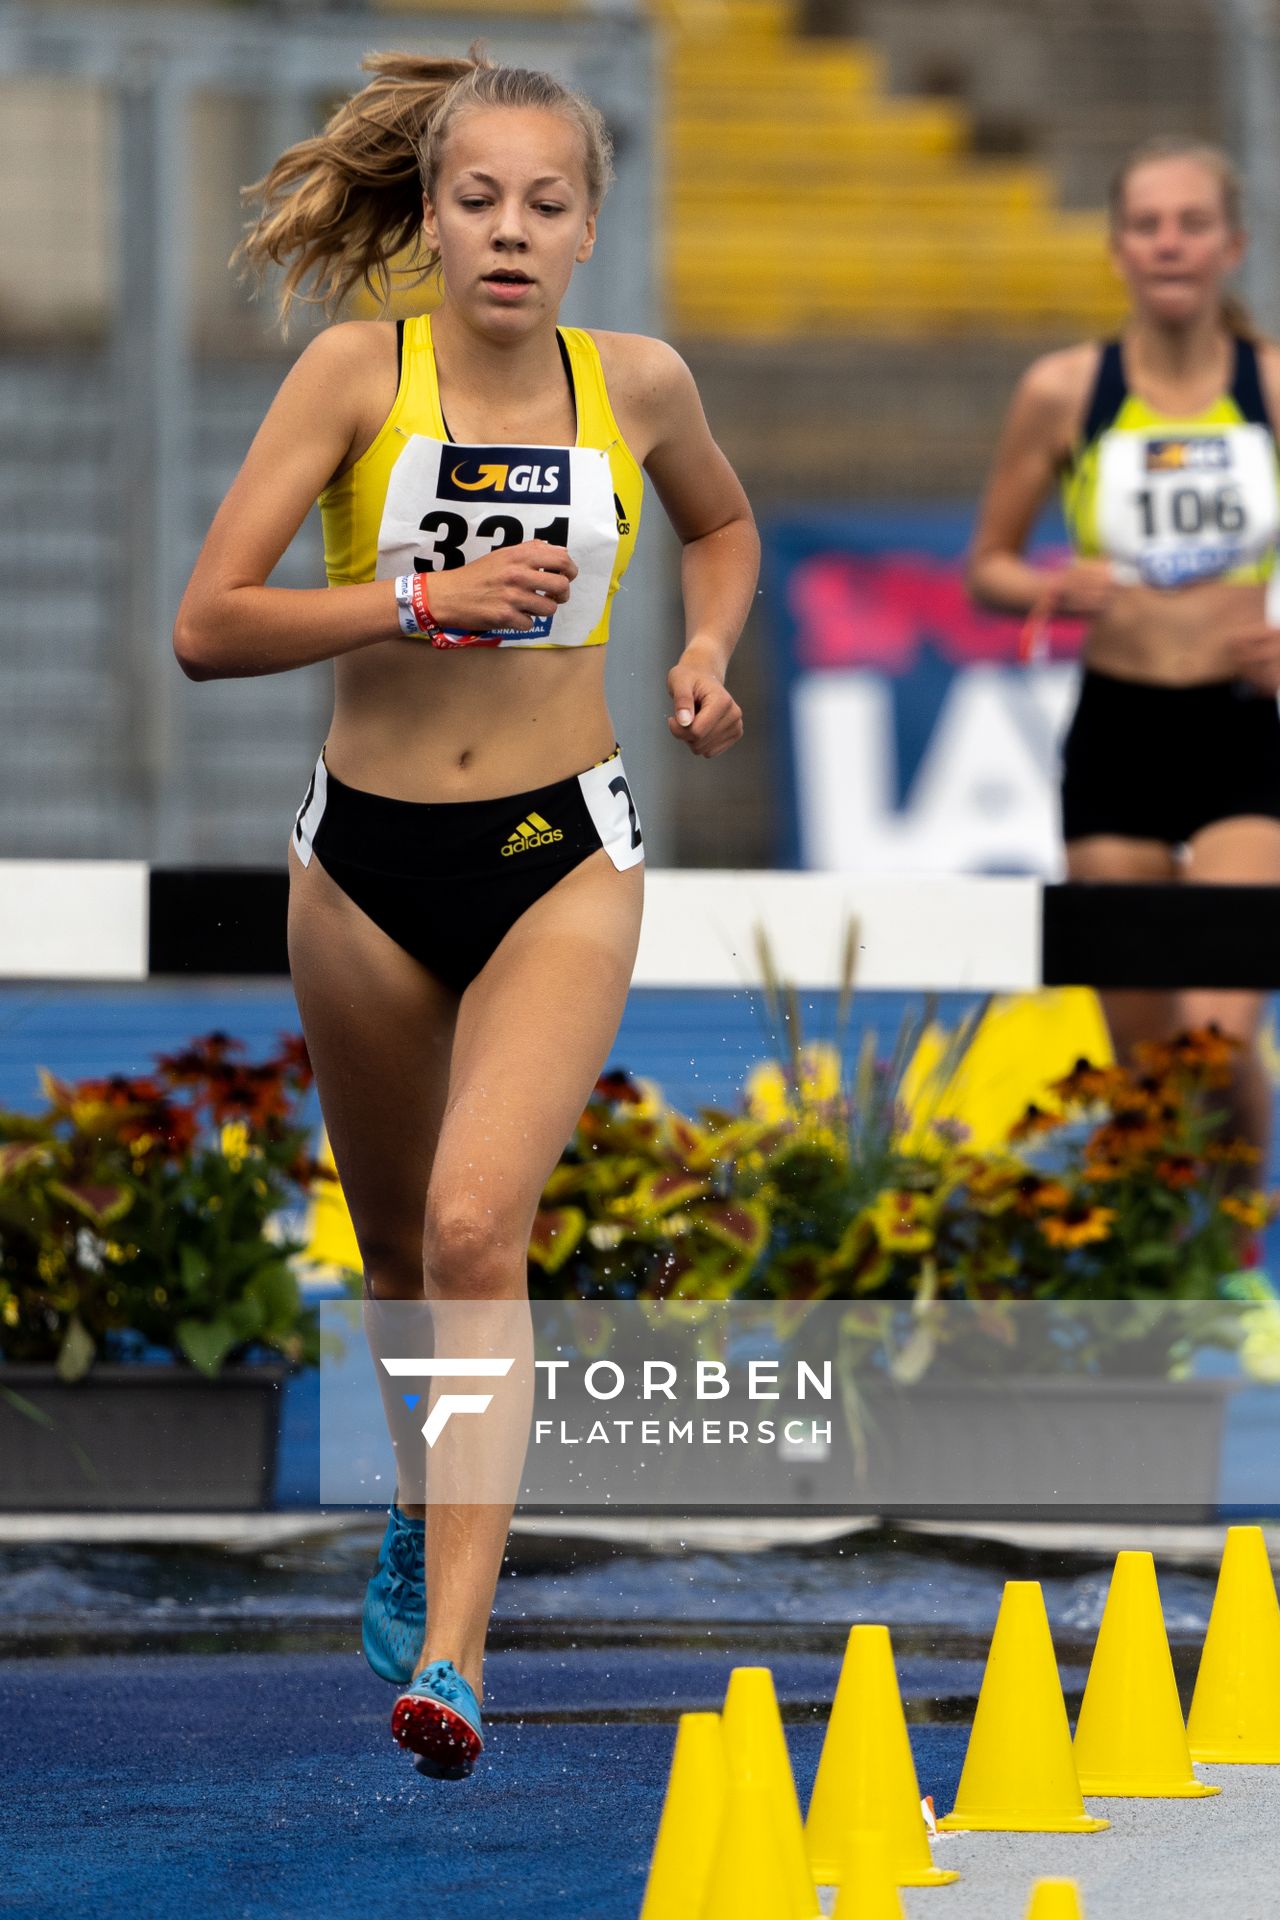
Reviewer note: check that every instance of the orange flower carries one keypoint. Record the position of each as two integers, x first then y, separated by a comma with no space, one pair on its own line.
1034,1121
1078,1225
1206,1047
1126,1136
1086,1084
1196,1050
1177,1170
1155,1057
1238,1153
1035,1195
1250,1209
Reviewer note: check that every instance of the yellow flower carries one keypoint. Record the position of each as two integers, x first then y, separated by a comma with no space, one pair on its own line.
11,1314
235,1144
51,1263
767,1092
772,1094
819,1073
902,1221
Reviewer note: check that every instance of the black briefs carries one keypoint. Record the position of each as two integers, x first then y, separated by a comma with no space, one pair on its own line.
1159,763
447,879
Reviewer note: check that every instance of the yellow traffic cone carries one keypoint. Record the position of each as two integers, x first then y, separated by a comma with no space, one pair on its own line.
1019,1775
866,1776
1055,1900
1130,1738
692,1815
1235,1709
868,1889
756,1747
749,1878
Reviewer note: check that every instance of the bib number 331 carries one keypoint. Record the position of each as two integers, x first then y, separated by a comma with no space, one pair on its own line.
448,506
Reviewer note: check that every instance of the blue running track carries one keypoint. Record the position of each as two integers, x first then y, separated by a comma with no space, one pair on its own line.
238,1788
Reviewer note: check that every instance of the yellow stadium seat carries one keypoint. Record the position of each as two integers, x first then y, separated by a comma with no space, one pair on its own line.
804,198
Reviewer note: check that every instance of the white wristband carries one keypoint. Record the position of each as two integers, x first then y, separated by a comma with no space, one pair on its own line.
404,605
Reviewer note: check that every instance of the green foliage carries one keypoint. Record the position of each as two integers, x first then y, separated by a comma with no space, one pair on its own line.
824,1186
147,1209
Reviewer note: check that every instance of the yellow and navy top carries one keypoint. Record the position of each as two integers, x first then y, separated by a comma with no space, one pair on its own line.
416,501
1171,500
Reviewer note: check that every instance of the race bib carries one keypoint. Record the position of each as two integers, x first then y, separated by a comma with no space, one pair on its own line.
448,505
1177,507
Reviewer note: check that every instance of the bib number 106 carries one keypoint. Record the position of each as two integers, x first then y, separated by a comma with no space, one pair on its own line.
1189,510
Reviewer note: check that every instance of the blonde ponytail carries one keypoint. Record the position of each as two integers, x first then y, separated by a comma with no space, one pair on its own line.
335,210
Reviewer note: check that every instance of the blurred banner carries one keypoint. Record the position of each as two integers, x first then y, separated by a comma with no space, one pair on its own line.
909,736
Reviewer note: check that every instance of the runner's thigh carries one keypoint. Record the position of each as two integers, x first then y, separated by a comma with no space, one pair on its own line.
534,1031
379,1028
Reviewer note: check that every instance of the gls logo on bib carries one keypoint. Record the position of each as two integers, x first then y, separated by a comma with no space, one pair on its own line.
538,474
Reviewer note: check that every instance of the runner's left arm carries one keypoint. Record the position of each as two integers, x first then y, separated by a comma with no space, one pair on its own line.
706,505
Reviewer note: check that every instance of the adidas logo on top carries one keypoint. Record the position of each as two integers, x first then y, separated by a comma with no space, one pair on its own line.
533,831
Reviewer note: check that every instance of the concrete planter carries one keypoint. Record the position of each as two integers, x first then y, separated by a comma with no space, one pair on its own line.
1068,1446
139,1438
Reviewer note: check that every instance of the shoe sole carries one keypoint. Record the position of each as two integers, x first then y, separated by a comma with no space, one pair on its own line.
447,1743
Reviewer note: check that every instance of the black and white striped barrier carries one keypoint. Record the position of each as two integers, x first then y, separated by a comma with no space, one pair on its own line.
115,920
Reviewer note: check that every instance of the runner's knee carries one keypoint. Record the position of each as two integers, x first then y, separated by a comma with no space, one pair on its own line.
473,1251
392,1268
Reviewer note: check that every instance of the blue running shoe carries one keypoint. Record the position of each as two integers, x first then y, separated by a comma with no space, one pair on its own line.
438,1719
395,1602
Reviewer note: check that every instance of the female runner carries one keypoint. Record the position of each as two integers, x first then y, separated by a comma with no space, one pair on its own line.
465,877
1164,443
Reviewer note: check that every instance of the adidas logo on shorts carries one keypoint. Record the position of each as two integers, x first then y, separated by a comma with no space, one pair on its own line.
533,831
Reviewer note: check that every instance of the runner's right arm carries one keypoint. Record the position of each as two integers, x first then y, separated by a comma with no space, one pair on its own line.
1034,445
231,624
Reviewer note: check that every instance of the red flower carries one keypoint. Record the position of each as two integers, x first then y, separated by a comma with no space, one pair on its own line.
617,1085
294,1061
256,1095
1177,1170
200,1061
118,1091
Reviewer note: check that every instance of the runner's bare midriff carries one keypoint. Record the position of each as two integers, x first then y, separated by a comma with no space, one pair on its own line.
1174,639
420,723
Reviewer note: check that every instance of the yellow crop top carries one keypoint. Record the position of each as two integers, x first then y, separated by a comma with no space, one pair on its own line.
1170,501
415,501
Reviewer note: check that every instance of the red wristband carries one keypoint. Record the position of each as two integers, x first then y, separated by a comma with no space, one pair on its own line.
421,609
430,627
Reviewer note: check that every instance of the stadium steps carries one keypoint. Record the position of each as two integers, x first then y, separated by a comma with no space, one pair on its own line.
804,198
69,784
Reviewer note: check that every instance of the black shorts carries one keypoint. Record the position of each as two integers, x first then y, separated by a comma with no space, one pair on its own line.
447,879
1159,763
